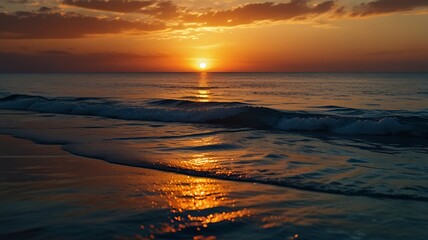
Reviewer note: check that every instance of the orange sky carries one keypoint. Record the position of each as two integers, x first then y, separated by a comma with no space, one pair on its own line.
233,35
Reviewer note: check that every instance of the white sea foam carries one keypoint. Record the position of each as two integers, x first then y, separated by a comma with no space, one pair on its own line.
383,126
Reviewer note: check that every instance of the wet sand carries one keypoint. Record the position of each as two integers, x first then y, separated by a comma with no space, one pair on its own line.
46,193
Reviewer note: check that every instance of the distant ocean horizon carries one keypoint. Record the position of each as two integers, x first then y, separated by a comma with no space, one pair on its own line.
199,72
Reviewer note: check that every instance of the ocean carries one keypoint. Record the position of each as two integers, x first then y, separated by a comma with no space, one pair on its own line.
277,155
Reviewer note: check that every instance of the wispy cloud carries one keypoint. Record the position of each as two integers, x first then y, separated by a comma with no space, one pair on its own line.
42,25
17,1
249,13
63,61
158,9
387,7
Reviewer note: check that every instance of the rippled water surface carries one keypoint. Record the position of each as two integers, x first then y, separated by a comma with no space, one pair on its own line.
359,138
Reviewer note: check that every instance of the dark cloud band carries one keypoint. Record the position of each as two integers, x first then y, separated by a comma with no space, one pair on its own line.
39,25
165,15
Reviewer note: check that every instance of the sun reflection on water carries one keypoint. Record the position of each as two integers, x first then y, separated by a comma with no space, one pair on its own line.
202,162
220,217
196,194
202,195
203,93
195,204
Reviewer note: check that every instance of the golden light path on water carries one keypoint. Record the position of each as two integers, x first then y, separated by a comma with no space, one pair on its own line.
203,94
195,202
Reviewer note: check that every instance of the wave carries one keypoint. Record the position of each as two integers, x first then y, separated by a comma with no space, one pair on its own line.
229,114
117,153
191,104
113,155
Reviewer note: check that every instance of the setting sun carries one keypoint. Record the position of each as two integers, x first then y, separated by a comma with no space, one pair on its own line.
202,65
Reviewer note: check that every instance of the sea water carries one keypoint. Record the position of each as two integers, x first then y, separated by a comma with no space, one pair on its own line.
345,134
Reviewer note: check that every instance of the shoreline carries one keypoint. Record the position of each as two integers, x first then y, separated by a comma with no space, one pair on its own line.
46,192
60,178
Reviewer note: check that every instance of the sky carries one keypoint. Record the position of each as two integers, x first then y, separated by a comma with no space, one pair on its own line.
229,36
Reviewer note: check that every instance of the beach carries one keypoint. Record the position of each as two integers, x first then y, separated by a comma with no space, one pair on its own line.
47,193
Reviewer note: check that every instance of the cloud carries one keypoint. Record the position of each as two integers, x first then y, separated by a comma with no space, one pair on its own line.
159,9
240,15
44,9
248,13
63,61
49,22
387,6
162,10
17,1
54,52
293,10
42,25
393,53
123,6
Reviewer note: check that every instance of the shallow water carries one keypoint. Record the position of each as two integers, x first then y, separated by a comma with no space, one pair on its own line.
348,135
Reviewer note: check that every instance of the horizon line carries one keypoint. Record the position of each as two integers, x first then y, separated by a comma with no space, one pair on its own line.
199,72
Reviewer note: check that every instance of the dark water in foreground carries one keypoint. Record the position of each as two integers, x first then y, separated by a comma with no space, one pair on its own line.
341,138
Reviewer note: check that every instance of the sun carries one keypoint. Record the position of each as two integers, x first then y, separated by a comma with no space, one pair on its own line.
202,65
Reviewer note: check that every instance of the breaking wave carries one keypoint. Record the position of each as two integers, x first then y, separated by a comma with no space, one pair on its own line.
233,114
